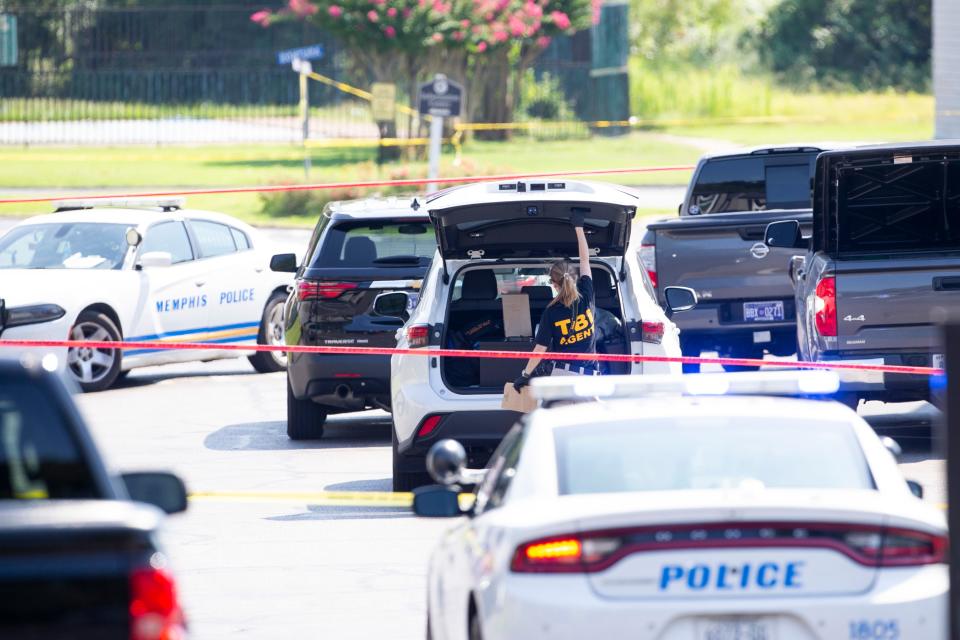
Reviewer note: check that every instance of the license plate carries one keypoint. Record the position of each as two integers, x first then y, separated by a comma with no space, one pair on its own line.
736,629
771,311
937,361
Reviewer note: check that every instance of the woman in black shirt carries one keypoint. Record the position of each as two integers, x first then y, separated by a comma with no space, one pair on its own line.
567,325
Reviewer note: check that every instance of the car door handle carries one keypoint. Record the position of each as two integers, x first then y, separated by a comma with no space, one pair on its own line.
200,283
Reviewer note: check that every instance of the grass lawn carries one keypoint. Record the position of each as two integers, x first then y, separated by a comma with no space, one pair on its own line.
138,168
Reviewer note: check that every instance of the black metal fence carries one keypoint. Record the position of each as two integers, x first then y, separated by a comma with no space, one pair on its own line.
197,73
89,74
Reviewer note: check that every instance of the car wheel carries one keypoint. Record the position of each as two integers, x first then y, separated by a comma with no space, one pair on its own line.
271,333
402,480
305,417
94,369
473,629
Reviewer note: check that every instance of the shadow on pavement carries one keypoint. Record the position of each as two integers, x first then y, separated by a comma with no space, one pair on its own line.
375,484
143,379
346,513
341,432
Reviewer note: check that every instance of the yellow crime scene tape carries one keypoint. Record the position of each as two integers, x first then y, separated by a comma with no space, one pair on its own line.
382,499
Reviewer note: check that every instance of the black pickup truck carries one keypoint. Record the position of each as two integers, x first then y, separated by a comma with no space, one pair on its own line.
78,549
883,256
716,247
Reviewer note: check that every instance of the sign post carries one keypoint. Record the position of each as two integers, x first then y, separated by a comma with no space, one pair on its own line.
383,105
440,98
304,68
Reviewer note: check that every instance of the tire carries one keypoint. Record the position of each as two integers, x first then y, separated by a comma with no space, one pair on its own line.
305,417
473,627
94,369
402,480
271,332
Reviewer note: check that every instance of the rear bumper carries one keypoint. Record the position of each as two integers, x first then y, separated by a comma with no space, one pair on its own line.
349,382
722,321
480,432
555,606
882,385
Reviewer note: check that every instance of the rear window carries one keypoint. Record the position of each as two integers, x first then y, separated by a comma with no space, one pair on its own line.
753,184
39,458
890,208
709,453
376,244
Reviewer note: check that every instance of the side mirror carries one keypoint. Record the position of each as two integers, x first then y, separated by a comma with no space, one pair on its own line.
915,488
679,299
892,446
435,501
284,263
394,304
784,234
159,488
446,461
155,259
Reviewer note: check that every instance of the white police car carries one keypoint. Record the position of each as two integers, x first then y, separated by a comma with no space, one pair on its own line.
139,270
686,518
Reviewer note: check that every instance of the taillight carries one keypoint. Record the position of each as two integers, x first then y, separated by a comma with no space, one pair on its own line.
418,335
648,258
155,612
898,547
595,551
825,307
308,290
652,332
428,425
566,554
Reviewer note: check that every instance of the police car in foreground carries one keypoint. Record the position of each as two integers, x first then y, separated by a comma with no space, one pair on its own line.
686,518
139,270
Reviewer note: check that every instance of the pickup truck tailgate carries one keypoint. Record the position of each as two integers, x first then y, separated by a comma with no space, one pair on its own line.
722,256
885,304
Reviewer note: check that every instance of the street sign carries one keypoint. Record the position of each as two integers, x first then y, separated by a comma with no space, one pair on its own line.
383,104
441,97
313,52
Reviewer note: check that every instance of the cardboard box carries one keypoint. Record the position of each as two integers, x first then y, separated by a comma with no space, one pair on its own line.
523,401
516,315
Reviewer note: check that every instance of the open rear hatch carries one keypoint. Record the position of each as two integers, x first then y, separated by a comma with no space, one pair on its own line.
891,217
531,219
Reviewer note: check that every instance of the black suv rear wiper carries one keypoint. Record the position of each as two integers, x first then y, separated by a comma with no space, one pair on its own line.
398,260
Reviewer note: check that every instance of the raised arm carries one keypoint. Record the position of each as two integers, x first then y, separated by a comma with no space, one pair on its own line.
584,252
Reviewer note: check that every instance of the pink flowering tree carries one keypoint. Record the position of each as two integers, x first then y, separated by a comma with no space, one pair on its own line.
487,44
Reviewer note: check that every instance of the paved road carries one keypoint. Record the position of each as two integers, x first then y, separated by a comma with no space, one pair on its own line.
261,568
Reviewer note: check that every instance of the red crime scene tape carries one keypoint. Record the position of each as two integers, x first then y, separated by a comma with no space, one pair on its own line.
467,353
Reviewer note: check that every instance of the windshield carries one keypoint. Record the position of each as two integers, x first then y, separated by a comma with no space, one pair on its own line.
709,453
753,184
39,459
67,245
376,244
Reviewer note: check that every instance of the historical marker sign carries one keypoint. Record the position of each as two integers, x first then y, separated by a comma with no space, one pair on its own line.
441,97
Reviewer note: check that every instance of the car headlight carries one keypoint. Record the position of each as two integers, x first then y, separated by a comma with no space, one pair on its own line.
33,314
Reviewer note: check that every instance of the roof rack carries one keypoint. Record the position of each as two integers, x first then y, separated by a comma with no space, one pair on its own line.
754,383
165,204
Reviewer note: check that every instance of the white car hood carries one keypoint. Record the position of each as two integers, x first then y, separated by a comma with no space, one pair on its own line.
20,287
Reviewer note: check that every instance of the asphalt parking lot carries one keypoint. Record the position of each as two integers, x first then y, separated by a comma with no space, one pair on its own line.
324,570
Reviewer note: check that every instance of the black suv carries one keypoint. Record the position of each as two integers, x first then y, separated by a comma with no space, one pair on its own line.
359,250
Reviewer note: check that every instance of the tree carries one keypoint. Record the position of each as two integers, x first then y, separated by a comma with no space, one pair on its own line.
867,44
485,43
